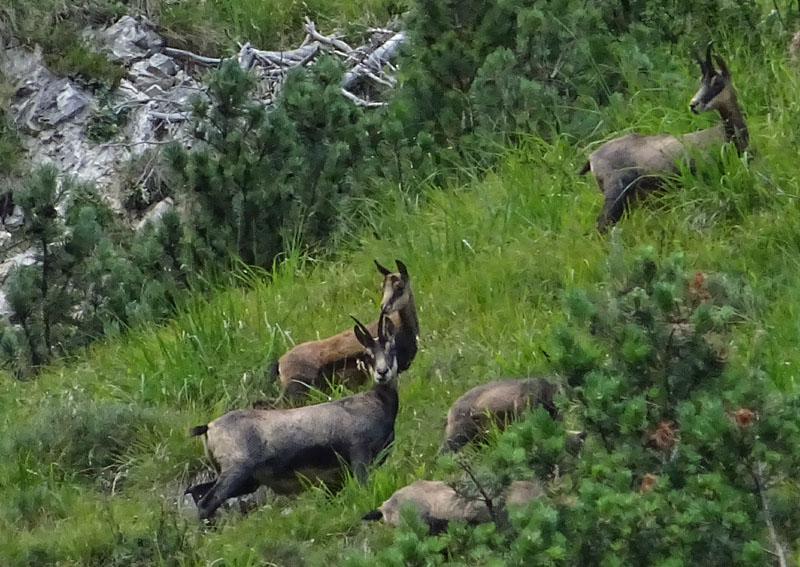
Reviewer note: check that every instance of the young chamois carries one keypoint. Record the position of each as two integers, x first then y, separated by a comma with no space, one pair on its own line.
630,166
252,447
499,402
311,363
438,503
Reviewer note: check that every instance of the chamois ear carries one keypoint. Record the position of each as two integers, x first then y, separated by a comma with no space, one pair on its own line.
696,55
709,63
381,269
362,333
401,267
385,327
722,67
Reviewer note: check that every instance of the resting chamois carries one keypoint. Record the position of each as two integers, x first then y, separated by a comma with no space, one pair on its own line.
499,402
438,503
629,166
311,363
271,447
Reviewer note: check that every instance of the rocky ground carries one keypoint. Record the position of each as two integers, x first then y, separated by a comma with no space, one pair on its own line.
52,113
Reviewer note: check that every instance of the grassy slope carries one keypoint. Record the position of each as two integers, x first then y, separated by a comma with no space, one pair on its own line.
489,262
210,26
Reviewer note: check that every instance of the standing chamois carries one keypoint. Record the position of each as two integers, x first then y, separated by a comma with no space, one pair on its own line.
311,363
500,402
252,447
632,165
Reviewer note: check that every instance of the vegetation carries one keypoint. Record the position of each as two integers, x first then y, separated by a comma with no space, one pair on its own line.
211,27
10,149
673,337
264,179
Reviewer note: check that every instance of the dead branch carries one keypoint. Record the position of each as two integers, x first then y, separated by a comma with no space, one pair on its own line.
184,54
389,82
332,41
758,476
370,61
360,101
169,116
376,59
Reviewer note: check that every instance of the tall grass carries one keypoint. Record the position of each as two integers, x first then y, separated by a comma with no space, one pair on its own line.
210,26
489,261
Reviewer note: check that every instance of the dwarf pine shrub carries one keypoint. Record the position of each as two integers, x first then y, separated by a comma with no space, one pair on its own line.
689,454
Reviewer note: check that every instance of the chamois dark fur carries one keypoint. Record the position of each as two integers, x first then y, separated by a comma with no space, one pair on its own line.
438,503
628,167
312,363
252,447
499,402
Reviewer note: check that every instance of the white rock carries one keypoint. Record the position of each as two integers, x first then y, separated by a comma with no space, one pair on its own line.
131,39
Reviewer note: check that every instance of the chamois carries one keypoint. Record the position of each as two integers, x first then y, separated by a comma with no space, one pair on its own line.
500,402
311,363
438,503
271,447
629,166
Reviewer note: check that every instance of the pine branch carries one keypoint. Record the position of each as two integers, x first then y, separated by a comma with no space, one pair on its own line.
484,496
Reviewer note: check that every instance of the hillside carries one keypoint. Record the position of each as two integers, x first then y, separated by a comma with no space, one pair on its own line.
96,446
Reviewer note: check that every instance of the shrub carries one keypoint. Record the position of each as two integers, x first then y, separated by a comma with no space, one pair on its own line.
81,280
144,181
688,455
266,178
10,148
108,119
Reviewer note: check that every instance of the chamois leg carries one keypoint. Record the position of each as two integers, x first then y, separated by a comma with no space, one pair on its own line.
294,390
230,484
359,464
618,192
199,490
455,441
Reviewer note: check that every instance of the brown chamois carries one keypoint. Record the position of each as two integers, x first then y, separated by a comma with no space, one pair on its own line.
252,447
499,402
628,167
438,503
309,364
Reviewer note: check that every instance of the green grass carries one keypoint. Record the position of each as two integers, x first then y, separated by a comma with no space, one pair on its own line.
267,24
489,260
211,27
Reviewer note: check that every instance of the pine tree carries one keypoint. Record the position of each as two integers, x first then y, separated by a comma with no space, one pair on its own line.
264,178
55,300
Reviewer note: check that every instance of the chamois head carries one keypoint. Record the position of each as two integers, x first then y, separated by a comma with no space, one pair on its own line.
381,353
396,288
716,89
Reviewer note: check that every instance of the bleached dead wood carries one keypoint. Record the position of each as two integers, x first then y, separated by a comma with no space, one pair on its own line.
375,61
360,101
183,54
369,61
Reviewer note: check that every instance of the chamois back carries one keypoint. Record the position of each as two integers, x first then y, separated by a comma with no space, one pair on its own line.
499,402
